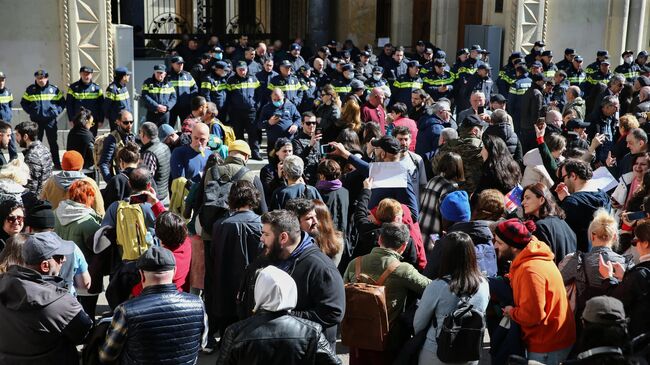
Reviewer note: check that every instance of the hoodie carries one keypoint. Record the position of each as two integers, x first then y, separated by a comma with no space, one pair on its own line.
10,189
541,305
580,208
275,290
535,171
41,321
77,223
56,189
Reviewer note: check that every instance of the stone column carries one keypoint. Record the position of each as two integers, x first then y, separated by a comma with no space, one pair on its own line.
528,24
444,25
616,29
356,20
636,25
319,31
401,23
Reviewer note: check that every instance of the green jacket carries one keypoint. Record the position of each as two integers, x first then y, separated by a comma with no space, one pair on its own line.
469,148
77,223
404,280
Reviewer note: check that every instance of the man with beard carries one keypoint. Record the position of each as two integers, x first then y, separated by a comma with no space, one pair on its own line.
305,210
5,139
108,164
541,306
37,157
321,296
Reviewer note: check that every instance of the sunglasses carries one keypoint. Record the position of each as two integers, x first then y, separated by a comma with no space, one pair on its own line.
311,123
127,122
15,218
58,258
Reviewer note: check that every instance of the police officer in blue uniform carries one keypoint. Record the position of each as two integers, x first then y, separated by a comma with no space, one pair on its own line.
214,87
243,104
6,102
44,103
342,84
439,83
404,85
158,96
117,96
287,82
85,93
629,69
377,79
185,87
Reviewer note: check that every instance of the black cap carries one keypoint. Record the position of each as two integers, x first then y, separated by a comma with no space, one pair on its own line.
539,44
365,54
521,67
295,46
602,53
604,310
40,215
86,69
41,73
156,259
217,49
547,53
578,58
324,49
630,52
332,43
177,59
159,68
220,64
440,63
285,63
242,64
305,67
440,54
577,123
389,144
413,63
498,98
43,246
462,51
606,62
516,54
206,56
345,54
378,69
120,71
347,67
536,64
643,53
473,120
428,51
357,85
568,51
484,66
419,43
476,47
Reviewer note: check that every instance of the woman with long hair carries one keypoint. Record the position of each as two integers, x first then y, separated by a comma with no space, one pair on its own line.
329,112
13,252
330,240
12,216
81,139
458,277
500,170
540,206
271,173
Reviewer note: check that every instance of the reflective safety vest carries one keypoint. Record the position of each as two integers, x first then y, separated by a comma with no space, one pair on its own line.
116,99
43,104
89,96
156,93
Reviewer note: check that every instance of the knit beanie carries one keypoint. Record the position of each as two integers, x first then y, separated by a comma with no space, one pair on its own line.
515,233
72,161
455,207
39,215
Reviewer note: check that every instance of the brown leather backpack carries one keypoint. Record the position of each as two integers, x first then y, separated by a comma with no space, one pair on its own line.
365,323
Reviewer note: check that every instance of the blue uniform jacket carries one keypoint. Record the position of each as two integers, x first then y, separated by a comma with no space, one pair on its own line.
89,96
156,93
291,87
290,116
403,87
215,89
6,101
185,87
43,104
242,93
116,99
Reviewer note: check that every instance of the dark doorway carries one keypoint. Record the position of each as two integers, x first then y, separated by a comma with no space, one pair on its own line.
421,20
469,12
383,18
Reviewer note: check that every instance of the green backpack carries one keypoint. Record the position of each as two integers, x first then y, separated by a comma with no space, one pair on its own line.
131,230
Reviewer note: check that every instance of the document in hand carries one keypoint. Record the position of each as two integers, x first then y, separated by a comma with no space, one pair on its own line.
388,175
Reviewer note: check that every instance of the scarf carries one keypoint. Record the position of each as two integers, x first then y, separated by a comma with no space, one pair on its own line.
329,185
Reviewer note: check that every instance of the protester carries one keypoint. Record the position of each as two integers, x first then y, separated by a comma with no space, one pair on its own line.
12,215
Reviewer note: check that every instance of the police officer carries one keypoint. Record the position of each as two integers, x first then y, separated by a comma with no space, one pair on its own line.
6,102
287,82
536,68
402,87
427,64
44,103
397,66
507,73
516,94
201,68
479,81
558,93
294,57
377,79
117,97
439,83
249,58
364,68
243,104
567,61
214,87
185,87
576,75
535,53
461,56
342,84
548,65
264,76
158,96
85,93
601,55
309,89
641,58
629,69
467,68
600,76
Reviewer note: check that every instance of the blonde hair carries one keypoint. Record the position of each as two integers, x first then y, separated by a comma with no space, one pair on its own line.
17,171
604,226
351,115
388,209
628,122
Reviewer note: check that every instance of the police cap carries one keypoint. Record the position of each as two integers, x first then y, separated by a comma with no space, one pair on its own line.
41,73
357,85
159,68
220,65
569,51
242,65
86,69
285,63
378,69
602,53
630,52
347,67
413,63
547,53
177,59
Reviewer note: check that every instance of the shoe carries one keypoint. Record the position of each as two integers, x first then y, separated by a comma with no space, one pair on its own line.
257,157
211,347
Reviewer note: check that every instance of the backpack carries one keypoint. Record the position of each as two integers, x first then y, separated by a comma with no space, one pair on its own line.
461,335
179,193
228,132
365,323
99,149
215,197
131,230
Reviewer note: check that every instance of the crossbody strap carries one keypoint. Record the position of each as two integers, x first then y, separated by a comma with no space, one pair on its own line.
389,270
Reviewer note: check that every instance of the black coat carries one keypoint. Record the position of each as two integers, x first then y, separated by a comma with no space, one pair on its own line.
507,133
82,140
556,233
338,203
117,188
275,338
634,292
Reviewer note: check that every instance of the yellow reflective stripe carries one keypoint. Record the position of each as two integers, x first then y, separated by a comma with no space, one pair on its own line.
466,70
549,73
117,97
513,90
285,87
159,90
182,83
408,85
42,97
84,95
244,85
439,82
6,98
342,89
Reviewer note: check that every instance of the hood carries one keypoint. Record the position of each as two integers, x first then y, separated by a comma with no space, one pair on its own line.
503,131
66,178
70,211
592,199
23,289
535,250
533,158
275,290
479,231
11,187
579,101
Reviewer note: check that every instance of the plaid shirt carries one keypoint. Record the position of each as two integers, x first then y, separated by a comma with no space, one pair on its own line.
430,199
150,161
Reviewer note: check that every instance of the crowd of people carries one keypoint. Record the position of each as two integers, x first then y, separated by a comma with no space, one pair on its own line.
404,199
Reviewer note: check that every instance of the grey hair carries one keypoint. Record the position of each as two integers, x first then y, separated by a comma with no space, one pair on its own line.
616,79
293,167
500,116
149,129
609,100
440,106
394,235
212,107
449,134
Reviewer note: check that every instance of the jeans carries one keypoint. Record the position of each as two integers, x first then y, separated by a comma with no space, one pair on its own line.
50,130
550,358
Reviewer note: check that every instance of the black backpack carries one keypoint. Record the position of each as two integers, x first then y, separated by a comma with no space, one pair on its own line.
215,198
461,335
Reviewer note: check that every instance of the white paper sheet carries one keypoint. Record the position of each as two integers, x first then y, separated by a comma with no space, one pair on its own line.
388,175
602,180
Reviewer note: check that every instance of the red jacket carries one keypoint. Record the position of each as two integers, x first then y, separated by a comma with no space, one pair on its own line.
414,229
377,114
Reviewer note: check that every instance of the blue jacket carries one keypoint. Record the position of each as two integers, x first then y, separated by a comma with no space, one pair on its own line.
215,89
432,81
429,129
43,104
6,101
116,99
89,96
186,162
290,116
402,88
263,92
185,87
242,93
291,87
156,93
516,97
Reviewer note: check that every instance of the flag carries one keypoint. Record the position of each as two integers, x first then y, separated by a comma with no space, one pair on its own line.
513,198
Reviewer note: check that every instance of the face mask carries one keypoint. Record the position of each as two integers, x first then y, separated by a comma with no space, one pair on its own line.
478,56
376,77
349,76
278,103
218,56
628,59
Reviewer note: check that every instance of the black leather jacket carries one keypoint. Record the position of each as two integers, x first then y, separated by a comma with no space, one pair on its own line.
275,338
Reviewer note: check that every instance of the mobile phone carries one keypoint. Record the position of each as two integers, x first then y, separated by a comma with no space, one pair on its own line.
540,123
633,216
326,149
481,109
138,199
319,130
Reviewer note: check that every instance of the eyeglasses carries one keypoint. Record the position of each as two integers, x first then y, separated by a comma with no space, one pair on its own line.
127,122
563,177
58,258
311,123
15,218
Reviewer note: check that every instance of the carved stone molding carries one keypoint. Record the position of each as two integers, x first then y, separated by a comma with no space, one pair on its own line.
529,19
87,38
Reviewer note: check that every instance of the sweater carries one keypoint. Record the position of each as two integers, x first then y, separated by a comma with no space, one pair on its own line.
186,162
